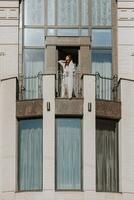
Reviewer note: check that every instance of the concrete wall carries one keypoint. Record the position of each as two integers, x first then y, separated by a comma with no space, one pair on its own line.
8,137
9,11
126,138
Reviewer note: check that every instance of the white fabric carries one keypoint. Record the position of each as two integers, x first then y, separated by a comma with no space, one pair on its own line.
67,80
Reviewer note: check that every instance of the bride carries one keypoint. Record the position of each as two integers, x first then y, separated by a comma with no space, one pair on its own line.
67,80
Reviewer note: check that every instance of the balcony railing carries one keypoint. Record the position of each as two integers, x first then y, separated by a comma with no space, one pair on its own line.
106,88
77,84
30,87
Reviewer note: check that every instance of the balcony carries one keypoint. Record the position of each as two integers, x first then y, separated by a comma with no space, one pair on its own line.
76,84
30,87
30,93
107,88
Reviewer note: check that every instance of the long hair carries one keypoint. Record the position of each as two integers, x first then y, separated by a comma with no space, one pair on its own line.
67,62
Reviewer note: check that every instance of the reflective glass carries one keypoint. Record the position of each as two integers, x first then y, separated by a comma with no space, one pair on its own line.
51,32
33,61
34,37
101,12
30,154
68,154
101,38
68,32
34,12
68,12
85,13
102,62
51,12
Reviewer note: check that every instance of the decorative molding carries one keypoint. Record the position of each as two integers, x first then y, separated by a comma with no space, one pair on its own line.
8,13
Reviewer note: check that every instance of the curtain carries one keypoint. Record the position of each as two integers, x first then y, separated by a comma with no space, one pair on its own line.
68,12
107,156
33,68
30,155
34,12
68,154
101,12
102,64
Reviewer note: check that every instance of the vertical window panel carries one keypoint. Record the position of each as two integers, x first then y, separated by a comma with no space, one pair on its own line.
51,12
68,154
101,38
33,68
101,12
102,64
30,154
33,61
106,156
34,37
34,12
85,13
68,12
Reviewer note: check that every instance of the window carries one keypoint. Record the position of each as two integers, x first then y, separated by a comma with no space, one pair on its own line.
68,18
33,49
101,38
101,12
68,154
34,12
68,12
30,154
102,47
106,156
102,62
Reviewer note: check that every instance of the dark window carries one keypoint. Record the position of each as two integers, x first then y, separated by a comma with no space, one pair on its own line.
106,156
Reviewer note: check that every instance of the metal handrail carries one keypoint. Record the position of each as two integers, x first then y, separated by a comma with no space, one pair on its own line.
30,87
77,83
106,87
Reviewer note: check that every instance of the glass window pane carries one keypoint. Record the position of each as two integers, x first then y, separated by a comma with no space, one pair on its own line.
101,37
102,64
85,13
68,12
84,32
51,12
33,61
30,154
51,32
68,153
33,68
101,12
34,37
67,32
106,156
34,12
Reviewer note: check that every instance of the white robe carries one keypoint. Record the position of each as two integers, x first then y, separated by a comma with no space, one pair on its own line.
67,80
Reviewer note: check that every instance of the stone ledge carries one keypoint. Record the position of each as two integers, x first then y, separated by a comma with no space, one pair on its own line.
108,109
29,108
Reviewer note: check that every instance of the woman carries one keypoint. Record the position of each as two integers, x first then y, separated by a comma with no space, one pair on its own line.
67,80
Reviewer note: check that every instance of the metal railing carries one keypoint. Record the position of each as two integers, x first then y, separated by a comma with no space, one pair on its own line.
77,83
30,87
106,88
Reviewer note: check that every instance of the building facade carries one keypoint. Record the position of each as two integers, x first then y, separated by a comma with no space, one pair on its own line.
54,147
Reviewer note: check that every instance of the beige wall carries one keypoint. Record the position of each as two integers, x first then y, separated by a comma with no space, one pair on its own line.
9,38
126,39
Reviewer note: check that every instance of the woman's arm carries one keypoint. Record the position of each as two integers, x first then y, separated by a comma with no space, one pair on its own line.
61,62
